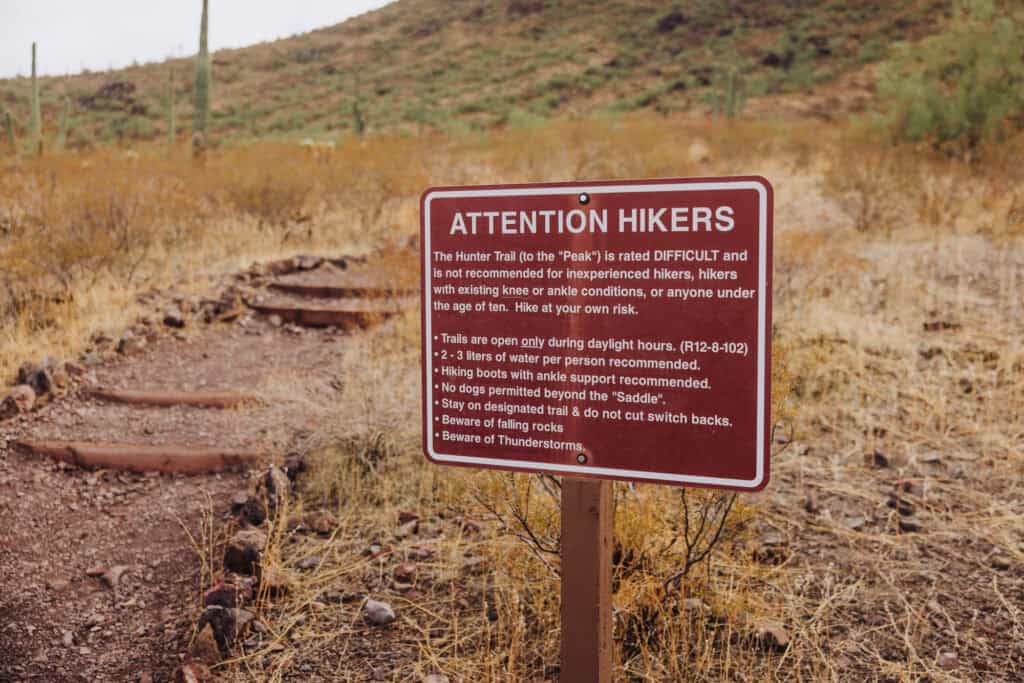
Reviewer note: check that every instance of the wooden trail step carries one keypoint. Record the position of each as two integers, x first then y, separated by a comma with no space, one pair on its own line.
197,399
141,458
345,314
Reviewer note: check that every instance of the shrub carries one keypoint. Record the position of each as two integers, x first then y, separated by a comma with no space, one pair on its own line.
960,87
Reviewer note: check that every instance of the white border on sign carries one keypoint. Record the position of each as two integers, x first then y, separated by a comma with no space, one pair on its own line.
762,271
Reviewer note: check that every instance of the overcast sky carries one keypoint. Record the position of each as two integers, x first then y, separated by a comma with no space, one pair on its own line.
100,34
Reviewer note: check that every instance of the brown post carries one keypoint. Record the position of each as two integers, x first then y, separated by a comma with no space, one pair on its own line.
587,530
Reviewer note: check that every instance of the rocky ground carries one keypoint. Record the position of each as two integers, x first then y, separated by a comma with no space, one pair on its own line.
101,570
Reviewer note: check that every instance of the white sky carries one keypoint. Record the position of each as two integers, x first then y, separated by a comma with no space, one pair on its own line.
101,34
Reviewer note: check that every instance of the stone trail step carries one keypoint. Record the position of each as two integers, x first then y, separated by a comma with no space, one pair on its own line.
196,399
344,314
341,290
170,458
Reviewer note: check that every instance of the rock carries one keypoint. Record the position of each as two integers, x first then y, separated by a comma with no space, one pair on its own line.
1000,562
294,465
275,320
405,572
192,672
909,526
321,522
876,459
75,369
811,503
57,585
112,577
378,613
224,626
204,648
947,660
130,345
145,677
436,678
173,317
68,639
914,488
21,400
95,571
243,552
408,529
234,593
274,487
930,458
698,152
311,562
248,509
419,553
772,634
405,517
855,522
901,505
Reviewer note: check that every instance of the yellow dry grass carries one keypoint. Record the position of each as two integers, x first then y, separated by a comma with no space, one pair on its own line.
872,244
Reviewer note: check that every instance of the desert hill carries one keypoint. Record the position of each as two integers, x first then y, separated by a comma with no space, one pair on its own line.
466,64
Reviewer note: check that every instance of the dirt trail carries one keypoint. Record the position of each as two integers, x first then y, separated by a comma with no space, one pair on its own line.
99,570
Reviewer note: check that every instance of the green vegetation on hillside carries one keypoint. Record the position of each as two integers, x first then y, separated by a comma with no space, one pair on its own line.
476,63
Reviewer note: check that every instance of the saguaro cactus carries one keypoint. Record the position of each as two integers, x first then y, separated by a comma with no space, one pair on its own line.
35,123
202,89
170,108
65,122
9,127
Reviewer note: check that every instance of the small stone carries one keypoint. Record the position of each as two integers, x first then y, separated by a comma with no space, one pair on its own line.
145,677
311,562
173,317
275,320
947,660
914,488
772,634
405,573
901,505
204,648
68,639
57,585
436,678
244,550
112,577
193,672
405,517
910,526
930,458
1000,562
21,400
274,487
698,152
811,503
876,459
855,522
378,613
408,529
130,345
96,571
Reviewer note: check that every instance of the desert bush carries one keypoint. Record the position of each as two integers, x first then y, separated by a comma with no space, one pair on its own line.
961,87
867,181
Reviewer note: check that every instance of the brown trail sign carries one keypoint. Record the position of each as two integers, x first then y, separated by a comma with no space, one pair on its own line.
610,330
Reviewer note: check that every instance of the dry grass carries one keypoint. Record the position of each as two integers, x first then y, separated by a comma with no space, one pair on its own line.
857,370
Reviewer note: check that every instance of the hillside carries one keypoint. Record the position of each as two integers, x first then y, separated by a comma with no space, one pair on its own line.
476,63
